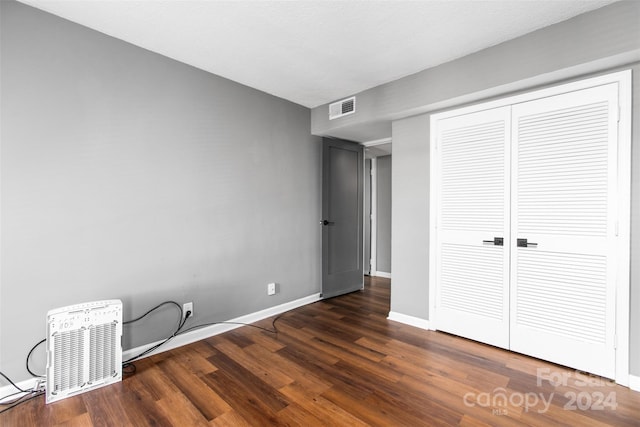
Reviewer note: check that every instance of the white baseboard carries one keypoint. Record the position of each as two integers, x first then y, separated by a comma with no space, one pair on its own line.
382,274
209,331
634,382
409,320
188,337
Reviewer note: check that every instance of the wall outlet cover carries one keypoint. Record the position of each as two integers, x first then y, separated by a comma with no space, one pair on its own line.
271,289
187,306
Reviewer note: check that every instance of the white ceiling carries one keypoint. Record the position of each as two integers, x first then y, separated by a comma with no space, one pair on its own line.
314,52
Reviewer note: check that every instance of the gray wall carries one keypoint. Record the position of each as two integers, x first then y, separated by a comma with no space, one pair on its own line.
128,175
383,210
410,217
597,42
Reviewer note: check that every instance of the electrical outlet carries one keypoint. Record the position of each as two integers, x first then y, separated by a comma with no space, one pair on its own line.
271,289
187,306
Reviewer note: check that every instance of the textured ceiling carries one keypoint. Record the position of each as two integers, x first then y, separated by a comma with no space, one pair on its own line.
314,52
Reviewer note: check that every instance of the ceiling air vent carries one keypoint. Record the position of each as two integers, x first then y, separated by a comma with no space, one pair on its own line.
342,108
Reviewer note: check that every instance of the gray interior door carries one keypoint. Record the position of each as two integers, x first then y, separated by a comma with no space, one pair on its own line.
342,221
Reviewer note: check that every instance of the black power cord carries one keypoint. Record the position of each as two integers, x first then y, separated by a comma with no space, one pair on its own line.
12,383
35,393
29,356
19,400
131,368
274,329
128,322
154,309
127,366
181,323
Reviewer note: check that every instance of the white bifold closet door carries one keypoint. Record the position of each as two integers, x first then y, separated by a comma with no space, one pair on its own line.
473,290
564,192
526,224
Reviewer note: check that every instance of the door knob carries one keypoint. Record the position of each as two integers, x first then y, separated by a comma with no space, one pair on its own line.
497,241
325,222
522,243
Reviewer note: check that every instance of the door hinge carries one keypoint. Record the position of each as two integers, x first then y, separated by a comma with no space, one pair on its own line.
619,113
617,228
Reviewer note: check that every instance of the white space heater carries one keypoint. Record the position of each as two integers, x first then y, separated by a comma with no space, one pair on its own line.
84,348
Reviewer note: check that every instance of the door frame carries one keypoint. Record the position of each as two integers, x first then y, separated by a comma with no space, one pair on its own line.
367,216
373,220
623,79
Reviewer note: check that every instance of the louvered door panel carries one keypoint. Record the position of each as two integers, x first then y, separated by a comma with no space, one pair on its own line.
473,178
471,279
472,296
562,287
563,171
550,285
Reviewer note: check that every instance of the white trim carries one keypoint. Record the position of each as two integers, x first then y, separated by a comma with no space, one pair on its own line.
623,79
433,217
577,85
634,382
376,142
374,215
382,274
209,331
366,220
624,228
409,320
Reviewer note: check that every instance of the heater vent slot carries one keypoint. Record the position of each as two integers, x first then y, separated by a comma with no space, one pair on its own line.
342,108
84,349
102,354
69,349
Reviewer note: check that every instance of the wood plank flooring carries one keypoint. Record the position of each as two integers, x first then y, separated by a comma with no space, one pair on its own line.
340,362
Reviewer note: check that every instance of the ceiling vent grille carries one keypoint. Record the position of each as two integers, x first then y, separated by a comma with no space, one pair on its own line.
342,108
84,348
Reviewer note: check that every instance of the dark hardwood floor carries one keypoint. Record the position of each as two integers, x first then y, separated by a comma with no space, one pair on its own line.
340,362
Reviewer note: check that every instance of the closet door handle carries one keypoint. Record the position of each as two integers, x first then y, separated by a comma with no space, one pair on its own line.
497,241
522,243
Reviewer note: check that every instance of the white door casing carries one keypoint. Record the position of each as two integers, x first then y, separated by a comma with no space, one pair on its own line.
568,297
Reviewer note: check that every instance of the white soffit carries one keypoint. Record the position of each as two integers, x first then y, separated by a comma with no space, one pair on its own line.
314,52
